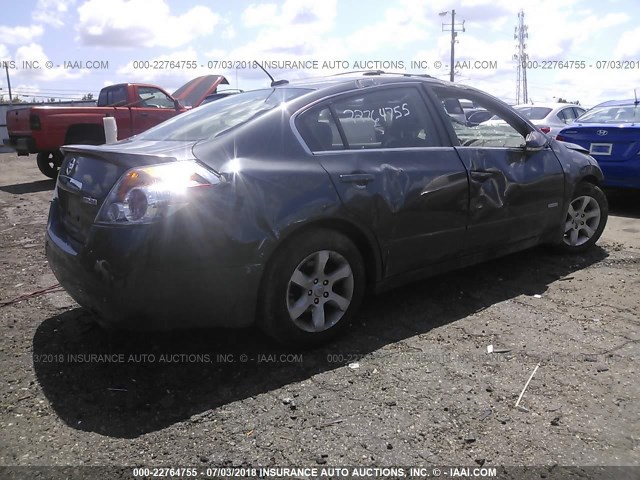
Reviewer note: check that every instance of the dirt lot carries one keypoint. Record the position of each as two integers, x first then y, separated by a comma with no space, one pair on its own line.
411,384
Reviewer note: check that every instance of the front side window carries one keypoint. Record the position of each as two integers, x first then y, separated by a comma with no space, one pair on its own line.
154,97
502,129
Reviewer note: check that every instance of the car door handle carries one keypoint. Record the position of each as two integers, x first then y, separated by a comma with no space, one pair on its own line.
143,114
481,174
359,178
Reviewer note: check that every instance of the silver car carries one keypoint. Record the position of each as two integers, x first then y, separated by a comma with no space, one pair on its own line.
550,118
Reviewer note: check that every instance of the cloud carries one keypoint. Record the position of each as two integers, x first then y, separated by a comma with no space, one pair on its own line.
19,35
147,23
398,27
35,53
259,14
51,12
628,47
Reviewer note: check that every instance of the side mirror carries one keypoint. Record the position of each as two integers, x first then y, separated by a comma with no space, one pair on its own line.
176,104
536,141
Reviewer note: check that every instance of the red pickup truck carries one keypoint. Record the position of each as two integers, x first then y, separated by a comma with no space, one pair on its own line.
135,107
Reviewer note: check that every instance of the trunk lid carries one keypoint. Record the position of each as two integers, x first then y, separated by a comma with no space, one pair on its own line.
192,93
606,142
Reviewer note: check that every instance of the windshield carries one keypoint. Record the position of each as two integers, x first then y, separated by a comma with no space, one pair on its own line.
619,114
217,117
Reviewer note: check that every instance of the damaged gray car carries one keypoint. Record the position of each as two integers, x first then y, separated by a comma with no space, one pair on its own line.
283,207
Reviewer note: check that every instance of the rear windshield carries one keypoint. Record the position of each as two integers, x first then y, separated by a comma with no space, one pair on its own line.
217,117
620,114
533,113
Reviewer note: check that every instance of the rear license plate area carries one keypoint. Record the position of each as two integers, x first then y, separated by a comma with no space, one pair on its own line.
600,149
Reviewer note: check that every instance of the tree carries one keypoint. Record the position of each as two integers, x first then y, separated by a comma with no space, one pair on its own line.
87,96
16,99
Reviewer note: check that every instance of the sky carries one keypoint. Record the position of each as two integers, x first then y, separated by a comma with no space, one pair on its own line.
584,50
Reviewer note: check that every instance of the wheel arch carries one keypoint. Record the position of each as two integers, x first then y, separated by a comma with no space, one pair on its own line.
364,242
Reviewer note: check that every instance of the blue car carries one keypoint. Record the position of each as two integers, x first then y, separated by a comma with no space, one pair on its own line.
611,133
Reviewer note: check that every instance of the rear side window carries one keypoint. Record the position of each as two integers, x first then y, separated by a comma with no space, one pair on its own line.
319,130
382,118
567,115
113,96
385,118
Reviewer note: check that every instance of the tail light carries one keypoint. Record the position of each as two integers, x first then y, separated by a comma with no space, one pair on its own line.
545,129
148,194
561,138
34,122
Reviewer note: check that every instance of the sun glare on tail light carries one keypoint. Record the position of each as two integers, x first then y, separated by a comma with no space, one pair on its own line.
147,194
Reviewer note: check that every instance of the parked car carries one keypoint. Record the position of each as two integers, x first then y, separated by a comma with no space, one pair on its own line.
134,106
282,207
611,133
550,118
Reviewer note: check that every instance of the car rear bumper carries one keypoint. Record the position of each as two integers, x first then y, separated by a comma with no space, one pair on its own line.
22,145
621,174
129,286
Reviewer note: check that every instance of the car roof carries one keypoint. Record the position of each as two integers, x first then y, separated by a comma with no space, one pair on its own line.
364,78
616,103
552,105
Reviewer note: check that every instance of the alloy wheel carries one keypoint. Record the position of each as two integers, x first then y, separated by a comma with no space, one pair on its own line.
320,291
581,223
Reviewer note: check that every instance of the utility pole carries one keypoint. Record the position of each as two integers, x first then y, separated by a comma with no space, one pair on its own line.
6,67
454,34
521,34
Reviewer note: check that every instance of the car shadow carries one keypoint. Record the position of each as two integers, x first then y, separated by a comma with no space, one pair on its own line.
624,202
136,383
32,187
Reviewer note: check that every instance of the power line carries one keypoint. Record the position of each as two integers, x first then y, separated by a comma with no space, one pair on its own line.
80,92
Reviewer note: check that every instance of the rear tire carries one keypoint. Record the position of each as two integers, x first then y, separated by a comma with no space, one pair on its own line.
311,289
49,163
585,219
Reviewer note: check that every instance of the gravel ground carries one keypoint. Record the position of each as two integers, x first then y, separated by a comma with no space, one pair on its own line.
410,384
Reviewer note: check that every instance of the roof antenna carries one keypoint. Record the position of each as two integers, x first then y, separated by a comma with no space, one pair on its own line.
274,83
635,94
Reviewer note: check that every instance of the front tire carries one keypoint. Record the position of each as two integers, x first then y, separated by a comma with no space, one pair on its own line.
585,219
49,163
311,289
